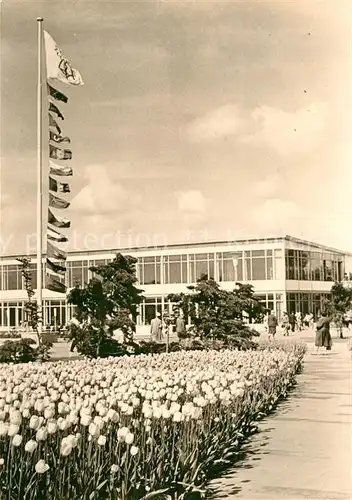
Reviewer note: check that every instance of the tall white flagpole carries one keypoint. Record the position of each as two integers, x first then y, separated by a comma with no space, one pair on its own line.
39,179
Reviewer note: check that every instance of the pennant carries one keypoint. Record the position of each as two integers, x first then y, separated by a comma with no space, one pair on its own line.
60,170
58,138
56,94
57,221
57,66
59,154
55,253
56,268
55,109
56,202
58,187
56,236
53,123
54,284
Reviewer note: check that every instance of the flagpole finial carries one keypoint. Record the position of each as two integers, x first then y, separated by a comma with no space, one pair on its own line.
40,19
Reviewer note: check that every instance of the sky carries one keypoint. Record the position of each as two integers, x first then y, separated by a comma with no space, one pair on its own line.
198,120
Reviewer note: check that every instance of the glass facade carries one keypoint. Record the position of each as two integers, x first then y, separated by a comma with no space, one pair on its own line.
248,264
313,266
305,302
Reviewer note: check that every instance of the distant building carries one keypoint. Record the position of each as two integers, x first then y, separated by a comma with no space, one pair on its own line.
288,274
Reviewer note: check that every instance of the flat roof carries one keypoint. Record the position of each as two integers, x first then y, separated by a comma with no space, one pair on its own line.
202,244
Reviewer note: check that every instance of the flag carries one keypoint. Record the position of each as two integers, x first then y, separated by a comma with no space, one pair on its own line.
58,138
58,187
55,109
56,236
56,94
55,253
54,284
57,66
53,123
59,154
56,202
55,267
57,221
59,170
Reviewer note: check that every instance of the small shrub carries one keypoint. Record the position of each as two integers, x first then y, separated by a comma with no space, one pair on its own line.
10,335
21,351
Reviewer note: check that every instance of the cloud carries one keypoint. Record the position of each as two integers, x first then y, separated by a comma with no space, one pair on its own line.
191,202
219,123
287,133
101,195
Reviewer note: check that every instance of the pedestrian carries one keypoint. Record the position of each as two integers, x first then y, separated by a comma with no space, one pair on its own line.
306,320
299,321
285,324
272,325
156,328
292,321
180,327
323,336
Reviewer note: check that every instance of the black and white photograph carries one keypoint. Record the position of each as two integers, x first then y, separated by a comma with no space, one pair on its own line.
175,250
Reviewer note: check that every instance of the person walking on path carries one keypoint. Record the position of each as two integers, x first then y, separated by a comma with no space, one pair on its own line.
299,321
292,321
285,324
272,325
323,336
156,329
180,327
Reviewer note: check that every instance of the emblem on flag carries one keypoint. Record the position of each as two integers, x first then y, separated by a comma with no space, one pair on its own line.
57,65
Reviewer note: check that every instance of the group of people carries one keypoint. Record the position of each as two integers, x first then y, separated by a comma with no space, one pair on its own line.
157,327
290,321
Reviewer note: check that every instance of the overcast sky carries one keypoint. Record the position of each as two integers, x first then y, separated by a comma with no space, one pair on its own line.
198,120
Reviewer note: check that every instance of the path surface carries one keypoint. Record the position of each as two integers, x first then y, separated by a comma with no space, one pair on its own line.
304,450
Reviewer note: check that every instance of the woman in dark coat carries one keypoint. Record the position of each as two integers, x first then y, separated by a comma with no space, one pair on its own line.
323,336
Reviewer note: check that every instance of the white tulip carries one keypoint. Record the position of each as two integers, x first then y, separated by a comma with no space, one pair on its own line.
13,430
134,450
41,434
102,440
129,438
34,422
30,446
41,467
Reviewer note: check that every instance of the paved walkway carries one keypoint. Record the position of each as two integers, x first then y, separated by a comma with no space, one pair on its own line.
304,450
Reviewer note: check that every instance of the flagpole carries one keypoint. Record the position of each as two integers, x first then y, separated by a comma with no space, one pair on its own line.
39,179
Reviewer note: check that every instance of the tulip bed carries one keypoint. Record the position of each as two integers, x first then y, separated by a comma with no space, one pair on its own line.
124,428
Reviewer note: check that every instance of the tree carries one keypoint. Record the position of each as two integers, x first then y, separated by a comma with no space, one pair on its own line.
30,306
218,314
107,303
339,303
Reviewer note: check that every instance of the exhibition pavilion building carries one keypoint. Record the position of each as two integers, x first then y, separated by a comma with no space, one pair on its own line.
288,274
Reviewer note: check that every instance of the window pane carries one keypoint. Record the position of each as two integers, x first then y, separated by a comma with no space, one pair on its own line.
229,271
269,268
149,274
175,272
248,271
201,269
258,269
184,272
174,258
211,269
76,276
258,253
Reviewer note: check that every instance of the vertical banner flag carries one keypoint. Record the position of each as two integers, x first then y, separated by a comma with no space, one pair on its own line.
58,68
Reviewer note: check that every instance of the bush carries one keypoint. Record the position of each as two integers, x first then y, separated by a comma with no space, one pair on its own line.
22,351
10,335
